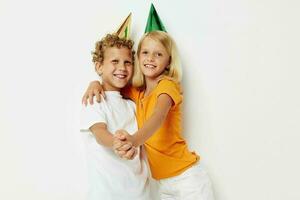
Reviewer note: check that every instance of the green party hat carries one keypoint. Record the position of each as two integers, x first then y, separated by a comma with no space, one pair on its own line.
153,22
124,29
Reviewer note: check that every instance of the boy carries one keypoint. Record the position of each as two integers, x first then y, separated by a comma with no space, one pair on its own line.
110,177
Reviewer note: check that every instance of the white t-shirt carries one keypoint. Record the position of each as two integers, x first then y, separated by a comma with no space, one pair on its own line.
110,177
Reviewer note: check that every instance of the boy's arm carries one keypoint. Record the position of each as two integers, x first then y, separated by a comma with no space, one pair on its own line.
105,138
102,135
161,110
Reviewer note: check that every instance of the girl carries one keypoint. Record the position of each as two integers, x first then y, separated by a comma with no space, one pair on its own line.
156,92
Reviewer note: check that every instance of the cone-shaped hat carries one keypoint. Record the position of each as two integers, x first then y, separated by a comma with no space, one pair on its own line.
153,22
124,29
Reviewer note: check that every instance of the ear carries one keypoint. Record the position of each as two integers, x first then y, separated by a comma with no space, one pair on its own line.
168,67
99,68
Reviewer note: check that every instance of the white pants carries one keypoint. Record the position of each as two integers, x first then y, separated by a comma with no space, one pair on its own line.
193,184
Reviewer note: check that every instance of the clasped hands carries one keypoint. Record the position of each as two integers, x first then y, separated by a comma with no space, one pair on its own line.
123,145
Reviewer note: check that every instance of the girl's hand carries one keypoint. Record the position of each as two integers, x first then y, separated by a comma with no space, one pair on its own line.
124,149
120,142
129,155
123,135
94,89
122,146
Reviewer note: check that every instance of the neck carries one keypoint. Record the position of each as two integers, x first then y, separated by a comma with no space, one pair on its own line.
107,88
151,83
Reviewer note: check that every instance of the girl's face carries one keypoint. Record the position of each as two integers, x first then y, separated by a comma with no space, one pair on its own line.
153,58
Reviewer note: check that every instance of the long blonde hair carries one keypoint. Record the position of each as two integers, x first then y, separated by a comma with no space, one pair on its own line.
174,70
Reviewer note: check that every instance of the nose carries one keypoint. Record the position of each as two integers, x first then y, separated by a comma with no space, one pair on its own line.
121,66
150,57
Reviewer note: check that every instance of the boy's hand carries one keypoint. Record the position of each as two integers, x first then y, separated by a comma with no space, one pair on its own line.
94,89
122,145
124,136
126,150
130,154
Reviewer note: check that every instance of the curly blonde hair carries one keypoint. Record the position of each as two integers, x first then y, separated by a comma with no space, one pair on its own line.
111,40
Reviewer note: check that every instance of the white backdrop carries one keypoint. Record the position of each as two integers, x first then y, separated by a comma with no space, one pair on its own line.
241,84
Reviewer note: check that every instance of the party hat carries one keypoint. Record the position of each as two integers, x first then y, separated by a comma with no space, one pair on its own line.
124,29
153,22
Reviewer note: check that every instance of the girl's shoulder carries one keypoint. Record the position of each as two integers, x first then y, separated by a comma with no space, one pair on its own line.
169,81
171,87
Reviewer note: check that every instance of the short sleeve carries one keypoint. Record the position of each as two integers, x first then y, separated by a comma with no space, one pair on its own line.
90,115
170,88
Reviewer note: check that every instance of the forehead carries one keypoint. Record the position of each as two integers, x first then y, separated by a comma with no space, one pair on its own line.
117,52
150,43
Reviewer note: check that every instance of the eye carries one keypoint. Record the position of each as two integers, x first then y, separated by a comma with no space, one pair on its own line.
128,63
159,54
144,52
115,61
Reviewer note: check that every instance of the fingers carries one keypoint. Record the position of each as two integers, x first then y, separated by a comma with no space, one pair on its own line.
120,136
121,145
125,147
135,153
121,131
120,153
97,94
91,98
130,154
117,145
94,89
102,93
84,99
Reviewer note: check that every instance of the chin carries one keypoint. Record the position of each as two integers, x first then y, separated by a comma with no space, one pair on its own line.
151,76
120,85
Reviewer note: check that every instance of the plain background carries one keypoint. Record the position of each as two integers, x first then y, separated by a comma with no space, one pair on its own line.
241,87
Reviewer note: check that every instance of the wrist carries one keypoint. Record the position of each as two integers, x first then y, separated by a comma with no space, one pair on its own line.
136,140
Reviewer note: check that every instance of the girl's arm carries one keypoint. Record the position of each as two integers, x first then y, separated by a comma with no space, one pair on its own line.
161,110
94,89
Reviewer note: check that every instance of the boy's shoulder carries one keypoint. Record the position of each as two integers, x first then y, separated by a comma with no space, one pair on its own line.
130,103
95,106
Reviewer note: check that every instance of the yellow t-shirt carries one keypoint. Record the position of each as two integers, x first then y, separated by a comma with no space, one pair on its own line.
167,151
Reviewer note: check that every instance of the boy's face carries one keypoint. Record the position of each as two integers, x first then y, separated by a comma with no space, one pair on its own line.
116,68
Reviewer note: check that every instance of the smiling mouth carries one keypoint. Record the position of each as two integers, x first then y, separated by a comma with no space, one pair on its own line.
120,76
149,66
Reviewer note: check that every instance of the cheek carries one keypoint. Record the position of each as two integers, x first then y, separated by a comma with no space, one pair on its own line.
130,70
141,58
168,61
164,63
